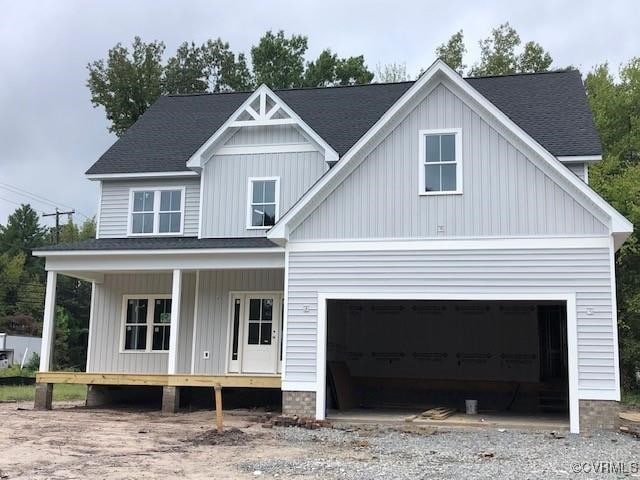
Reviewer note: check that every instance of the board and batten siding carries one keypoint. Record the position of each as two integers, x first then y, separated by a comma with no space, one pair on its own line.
114,204
504,192
106,324
584,272
225,187
267,135
213,311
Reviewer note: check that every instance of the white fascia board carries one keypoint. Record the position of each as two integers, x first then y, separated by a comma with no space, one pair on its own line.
580,158
198,159
196,251
125,176
441,70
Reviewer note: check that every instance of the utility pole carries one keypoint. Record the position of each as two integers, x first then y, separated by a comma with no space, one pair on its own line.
57,215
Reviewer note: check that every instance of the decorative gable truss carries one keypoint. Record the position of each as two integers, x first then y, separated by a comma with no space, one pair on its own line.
262,108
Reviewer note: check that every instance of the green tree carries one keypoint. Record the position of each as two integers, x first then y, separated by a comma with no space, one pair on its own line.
617,179
452,52
127,82
328,70
23,233
392,72
534,59
278,61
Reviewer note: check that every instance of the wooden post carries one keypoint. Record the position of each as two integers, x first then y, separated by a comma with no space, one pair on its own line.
218,397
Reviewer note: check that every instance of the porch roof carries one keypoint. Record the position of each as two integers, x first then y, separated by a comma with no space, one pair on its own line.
160,243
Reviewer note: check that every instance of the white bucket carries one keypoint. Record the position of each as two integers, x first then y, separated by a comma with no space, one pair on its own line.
472,407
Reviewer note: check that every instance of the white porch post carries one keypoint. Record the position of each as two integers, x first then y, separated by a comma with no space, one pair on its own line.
49,322
176,293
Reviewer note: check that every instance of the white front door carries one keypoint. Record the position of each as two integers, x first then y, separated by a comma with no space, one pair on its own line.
260,352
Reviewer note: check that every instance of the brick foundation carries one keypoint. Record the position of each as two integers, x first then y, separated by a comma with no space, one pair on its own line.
43,396
170,399
302,404
599,415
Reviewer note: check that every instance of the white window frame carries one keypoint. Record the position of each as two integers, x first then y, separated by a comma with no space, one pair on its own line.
422,134
156,211
250,182
151,306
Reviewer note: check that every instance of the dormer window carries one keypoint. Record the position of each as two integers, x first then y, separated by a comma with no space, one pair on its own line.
263,202
156,211
440,162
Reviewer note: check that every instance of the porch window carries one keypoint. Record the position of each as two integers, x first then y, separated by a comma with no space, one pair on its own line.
260,321
147,323
263,202
440,164
156,211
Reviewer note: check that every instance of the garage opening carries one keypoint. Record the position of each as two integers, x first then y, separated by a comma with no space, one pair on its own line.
415,358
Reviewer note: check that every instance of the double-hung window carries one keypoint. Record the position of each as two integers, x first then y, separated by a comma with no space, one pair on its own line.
440,162
263,202
157,211
147,323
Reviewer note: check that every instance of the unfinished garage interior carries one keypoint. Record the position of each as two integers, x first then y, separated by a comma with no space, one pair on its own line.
405,357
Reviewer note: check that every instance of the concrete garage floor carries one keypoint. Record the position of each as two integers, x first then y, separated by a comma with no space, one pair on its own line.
458,419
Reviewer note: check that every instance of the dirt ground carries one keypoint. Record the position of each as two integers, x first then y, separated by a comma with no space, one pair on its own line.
73,442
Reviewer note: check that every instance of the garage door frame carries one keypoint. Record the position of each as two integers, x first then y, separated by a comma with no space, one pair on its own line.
572,334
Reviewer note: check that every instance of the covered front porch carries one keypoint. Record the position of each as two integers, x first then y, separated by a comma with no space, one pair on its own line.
175,319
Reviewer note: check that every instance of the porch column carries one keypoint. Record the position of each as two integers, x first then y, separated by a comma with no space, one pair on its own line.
44,391
171,395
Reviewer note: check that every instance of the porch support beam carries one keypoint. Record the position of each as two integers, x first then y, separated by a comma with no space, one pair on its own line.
48,322
176,293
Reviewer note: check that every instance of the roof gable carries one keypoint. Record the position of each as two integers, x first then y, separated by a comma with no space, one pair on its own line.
438,73
550,107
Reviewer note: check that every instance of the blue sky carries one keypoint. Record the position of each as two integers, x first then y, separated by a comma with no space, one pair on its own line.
50,134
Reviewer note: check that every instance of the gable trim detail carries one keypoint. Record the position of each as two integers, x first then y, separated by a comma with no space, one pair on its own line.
437,71
262,108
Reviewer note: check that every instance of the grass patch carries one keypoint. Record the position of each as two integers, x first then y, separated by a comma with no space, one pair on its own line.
25,393
631,399
16,371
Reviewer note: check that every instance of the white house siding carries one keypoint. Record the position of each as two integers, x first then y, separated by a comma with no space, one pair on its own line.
579,169
504,192
225,184
106,324
213,311
21,344
584,272
267,135
114,204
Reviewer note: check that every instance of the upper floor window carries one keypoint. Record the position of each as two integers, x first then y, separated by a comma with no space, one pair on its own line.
440,162
156,211
263,202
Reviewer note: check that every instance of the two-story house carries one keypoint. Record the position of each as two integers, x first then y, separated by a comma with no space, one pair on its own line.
415,243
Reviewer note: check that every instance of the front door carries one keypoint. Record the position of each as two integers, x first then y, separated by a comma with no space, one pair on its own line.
261,331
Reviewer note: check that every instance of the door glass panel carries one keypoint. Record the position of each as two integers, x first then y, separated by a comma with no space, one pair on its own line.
265,333
254,309
267,309
236,329
254,333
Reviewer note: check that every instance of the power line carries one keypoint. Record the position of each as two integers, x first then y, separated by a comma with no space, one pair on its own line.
39,198
57,214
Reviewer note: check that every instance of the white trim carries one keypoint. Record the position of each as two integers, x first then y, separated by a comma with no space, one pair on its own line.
614,318
298,386
586,173
572,340
249,216
150,297
99,214
285,315
204,153
194,333
200,205
124,176
174,329
595,394
461,244
157,191
439,70
580,158
422,134
258,149
91,327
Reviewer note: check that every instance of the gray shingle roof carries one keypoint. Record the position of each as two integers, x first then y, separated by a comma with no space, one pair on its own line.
551,107
162,243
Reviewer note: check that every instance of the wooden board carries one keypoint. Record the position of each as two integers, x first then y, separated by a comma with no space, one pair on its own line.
233,381
630,416
438,413
343,386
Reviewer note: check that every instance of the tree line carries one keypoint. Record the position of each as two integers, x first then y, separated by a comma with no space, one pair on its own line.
129,80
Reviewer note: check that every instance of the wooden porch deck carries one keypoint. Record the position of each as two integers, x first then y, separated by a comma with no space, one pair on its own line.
164,380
